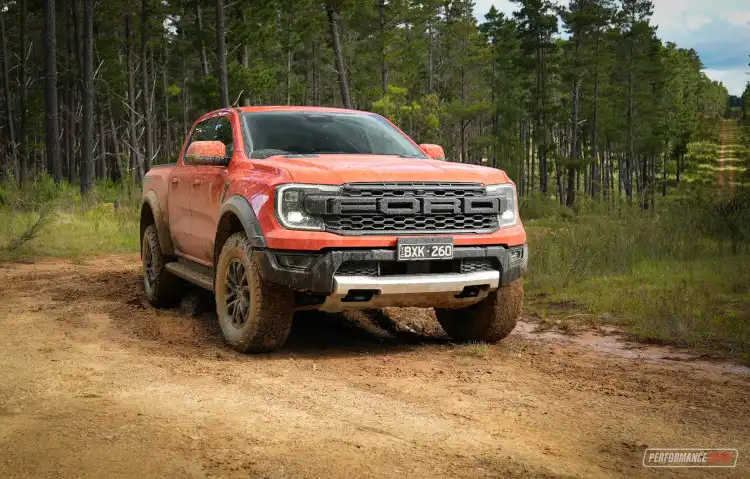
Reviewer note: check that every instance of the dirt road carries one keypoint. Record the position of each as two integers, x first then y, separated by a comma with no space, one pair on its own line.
93,383
727,163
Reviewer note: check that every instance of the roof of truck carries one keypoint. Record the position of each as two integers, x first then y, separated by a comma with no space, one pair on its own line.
253,109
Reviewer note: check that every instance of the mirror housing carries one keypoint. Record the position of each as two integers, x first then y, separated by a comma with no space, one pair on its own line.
207,153
433,151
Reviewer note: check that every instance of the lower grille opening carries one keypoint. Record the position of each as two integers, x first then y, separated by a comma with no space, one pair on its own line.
472,291
397,268
360,295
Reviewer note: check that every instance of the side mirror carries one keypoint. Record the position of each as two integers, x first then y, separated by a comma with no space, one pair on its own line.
207,153
433,151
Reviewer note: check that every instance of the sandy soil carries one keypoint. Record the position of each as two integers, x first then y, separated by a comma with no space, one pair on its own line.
94,383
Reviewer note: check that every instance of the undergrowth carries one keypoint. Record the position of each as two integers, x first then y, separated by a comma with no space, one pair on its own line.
47,220
676,275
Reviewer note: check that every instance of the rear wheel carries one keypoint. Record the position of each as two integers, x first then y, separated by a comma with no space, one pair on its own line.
254,315
162,288
491,320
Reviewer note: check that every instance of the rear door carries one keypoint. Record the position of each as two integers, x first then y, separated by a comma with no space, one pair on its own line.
210,185
180,196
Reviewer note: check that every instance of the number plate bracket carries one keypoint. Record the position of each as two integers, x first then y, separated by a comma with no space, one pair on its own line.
425,249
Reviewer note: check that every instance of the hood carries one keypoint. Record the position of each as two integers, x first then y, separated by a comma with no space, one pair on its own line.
340,169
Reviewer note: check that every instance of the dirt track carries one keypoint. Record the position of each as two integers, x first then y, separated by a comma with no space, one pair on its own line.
726,172
93,383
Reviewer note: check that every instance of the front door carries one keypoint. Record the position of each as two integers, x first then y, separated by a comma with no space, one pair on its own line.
182,184
208,194
179,206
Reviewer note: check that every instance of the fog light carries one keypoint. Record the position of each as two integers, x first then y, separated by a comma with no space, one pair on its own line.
295,217
516,254
296,261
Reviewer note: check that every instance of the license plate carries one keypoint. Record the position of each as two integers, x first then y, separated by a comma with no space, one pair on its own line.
420,249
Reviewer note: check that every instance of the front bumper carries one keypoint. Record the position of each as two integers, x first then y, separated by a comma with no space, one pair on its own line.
321,276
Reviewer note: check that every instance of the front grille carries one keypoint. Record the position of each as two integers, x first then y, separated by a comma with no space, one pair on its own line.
437,223
413,190
425,223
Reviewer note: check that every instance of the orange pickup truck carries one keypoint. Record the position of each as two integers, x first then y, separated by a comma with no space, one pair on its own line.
283,209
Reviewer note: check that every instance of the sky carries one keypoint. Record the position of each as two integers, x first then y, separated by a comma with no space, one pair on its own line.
719,30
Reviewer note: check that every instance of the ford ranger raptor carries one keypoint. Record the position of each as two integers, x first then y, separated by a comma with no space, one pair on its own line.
285,209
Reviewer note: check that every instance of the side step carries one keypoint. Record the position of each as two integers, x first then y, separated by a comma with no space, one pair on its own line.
189,274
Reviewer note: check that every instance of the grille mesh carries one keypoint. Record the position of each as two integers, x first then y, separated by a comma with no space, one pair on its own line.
414,190
370,268
477,265
358,268
382,223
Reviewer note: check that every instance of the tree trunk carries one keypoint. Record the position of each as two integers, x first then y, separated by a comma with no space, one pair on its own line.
221,55
6,88
54,166
145,95
383,47
574,147
69,98
204,56
664,174
87,158
315,83
167,133
115,144
343,85
245,56
596,172
429,59
22,96
102,171
136,165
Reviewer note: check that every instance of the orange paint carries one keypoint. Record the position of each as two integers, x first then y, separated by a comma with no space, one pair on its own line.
191,196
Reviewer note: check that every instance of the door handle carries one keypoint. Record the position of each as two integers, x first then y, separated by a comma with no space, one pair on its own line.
175,181
196,182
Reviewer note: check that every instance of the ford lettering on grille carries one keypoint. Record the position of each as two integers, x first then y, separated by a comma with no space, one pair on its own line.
417,208
327,205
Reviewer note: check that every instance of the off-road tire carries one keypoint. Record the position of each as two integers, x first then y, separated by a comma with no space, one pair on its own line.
265,309
163,289
490,320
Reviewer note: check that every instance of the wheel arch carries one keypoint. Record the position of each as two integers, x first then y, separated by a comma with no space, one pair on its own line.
236,216
152,214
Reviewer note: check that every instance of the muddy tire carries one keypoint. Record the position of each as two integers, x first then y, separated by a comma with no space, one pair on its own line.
254,315
162,288
490,320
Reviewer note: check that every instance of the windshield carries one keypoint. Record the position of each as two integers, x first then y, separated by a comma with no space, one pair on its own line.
309,133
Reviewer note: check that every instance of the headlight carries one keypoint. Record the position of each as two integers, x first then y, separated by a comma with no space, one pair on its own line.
509,215
290,206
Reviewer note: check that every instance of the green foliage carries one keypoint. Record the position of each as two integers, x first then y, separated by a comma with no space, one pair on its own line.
420,119
676,276
69,225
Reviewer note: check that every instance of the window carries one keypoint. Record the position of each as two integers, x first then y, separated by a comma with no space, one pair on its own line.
214,129
309,132
203,132
223,133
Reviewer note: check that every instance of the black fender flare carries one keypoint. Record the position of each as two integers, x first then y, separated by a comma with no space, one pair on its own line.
162,227
240,207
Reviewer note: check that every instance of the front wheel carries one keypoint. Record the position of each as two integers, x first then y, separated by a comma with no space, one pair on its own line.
254,315
491,320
